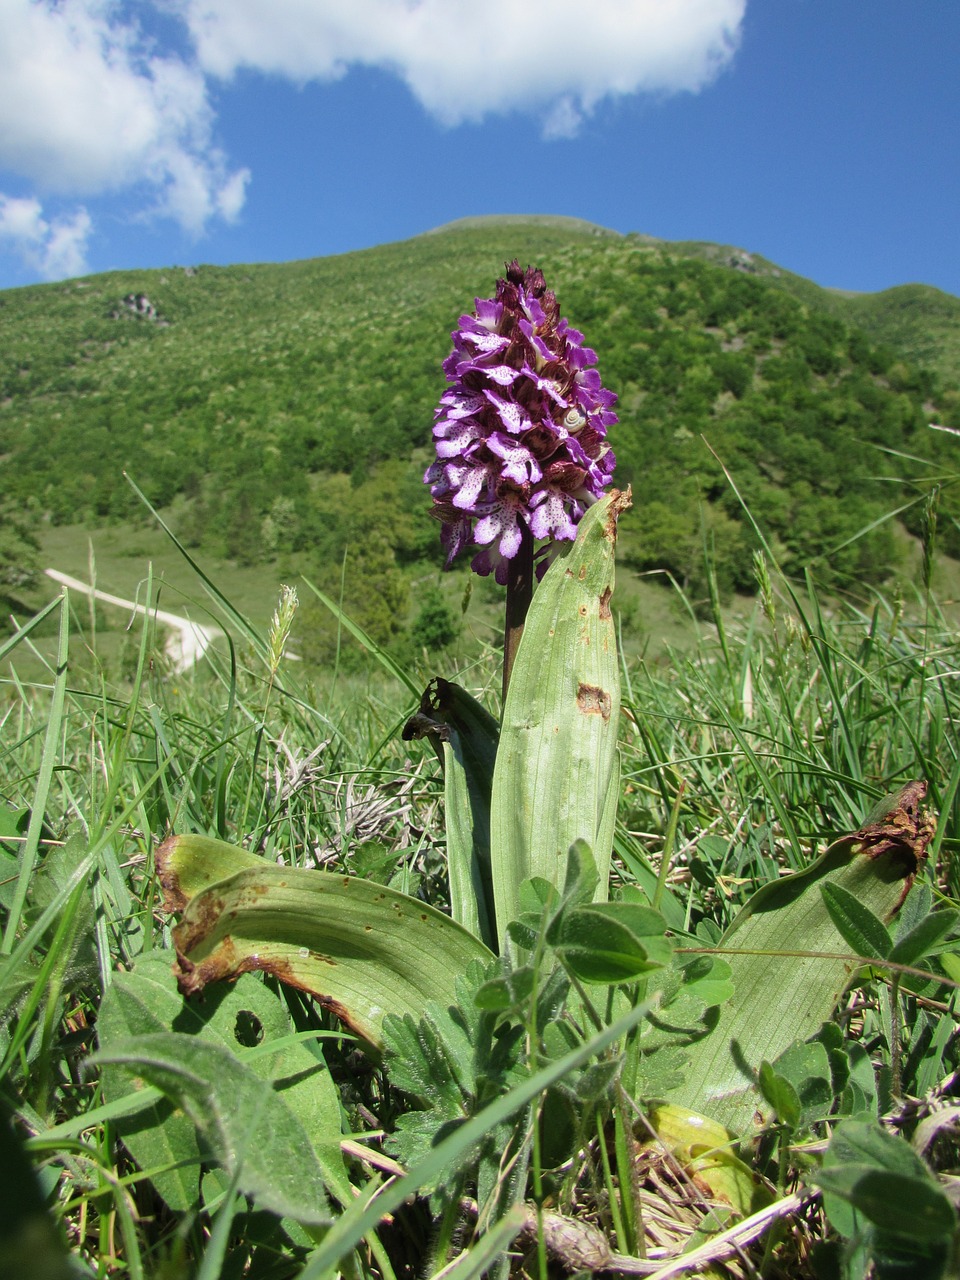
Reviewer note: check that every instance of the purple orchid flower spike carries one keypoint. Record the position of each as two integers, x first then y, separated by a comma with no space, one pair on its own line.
521,439
521,431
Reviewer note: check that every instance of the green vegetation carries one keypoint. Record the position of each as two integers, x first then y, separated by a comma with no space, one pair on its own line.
719,1021
541,1106
280,414
919,322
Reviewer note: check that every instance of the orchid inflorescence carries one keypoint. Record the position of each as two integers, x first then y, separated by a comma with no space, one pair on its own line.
520,433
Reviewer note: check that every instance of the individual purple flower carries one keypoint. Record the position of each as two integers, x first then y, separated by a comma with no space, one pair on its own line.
521,431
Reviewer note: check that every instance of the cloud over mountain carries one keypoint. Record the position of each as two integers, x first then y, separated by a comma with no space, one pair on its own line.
463,61
53,249
100,97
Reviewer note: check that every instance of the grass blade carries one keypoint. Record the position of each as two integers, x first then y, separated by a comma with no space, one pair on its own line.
51,748
350,1229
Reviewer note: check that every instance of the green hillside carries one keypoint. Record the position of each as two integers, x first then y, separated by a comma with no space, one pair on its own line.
286,409
921,322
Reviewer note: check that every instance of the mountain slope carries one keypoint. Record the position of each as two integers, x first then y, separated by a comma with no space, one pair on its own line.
921,322
288,407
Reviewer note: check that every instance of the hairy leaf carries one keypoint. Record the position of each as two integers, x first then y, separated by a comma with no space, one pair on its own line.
245,1018
246,1126
918,943
612,941
860,929
880,1176
455,1061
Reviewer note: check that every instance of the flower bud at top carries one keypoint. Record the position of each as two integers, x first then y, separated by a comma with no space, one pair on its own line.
520,433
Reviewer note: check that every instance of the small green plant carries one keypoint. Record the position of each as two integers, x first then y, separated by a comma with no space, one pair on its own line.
881,1197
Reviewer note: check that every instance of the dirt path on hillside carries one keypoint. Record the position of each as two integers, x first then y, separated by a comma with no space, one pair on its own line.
187,641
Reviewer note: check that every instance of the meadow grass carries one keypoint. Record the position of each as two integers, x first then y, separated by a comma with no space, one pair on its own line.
743,754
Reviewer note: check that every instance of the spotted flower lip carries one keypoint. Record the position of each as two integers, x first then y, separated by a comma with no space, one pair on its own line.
520,432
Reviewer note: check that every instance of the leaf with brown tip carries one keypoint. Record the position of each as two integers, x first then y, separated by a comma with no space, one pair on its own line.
362,949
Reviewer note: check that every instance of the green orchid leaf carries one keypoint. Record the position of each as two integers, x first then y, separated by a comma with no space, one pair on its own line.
556,776
187,865
362,949
784,952
465,736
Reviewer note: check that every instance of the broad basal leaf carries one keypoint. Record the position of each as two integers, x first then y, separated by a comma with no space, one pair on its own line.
783,951
244,1018
362,949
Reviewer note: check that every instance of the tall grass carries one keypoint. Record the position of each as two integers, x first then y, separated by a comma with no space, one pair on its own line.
788,731
741,757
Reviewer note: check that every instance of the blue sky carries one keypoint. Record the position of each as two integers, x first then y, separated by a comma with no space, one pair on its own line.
820,133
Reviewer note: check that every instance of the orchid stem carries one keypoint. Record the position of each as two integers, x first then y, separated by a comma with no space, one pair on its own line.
519,595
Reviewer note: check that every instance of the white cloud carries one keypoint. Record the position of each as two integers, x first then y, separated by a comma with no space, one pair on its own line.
87,105
562,120
65,249
90,105
21,220
198,188
55,250
463,60
232,194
